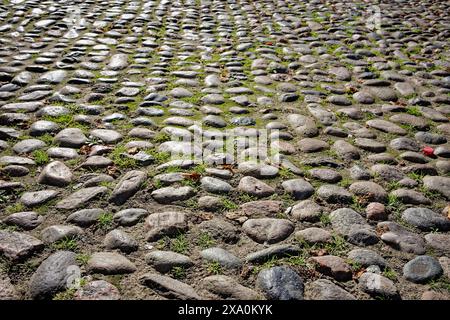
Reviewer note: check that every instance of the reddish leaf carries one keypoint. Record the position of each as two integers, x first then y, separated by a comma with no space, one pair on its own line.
428,151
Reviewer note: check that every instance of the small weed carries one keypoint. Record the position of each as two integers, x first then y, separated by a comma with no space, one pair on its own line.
214,268
205,241
161,244
245,197
415,111
26,268
157,184
107,184
47,138
356,266
67,121
369,115
116,280
434,230
229,204
393,185
300,260
288,199
105,221
394,205
272,262
120,158
345,182
325,219
180,244
390,274
190,183
4,197
82,259
191,203
285,173
337,246
8,227
432,195
409,128
199,169
67,243
342,116
73,162
161,137
440,284
160,157
357,204
416,176
17,207
172,169
40,157
372,69
178,272
65,295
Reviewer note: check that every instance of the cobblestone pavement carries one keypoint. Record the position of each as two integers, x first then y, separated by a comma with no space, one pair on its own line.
348,199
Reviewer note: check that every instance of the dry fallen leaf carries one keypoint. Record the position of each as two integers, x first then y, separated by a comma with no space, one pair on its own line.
228,167
358,274
401,103
113,171
194,176
380,230
85,149
446,211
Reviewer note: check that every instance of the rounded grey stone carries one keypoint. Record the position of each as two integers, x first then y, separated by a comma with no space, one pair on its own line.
223,257
280,283
422,269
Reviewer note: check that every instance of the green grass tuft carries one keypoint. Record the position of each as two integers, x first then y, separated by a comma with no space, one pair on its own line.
205,241
67,243
40,157
105,221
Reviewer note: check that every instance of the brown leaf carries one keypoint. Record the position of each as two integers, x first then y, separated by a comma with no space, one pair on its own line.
447,211
228,167
200,217
246,272
194,176
113,171
359,273
85,149
381,230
